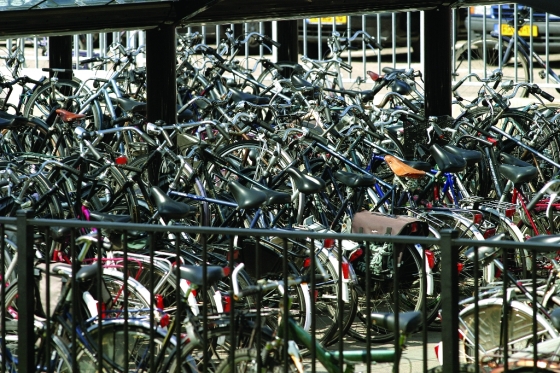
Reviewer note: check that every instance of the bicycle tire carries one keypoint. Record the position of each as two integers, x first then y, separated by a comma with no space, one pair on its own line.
286,72
490,313
110,193
246,359
219,347
32,135
60,359
463,368
141,339
412,286
484,65
68,95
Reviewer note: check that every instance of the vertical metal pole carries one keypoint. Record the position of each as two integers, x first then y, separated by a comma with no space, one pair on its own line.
437,56
26,302
449,301
60,54
161,74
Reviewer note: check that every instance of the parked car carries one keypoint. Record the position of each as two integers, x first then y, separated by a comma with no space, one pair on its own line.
493,21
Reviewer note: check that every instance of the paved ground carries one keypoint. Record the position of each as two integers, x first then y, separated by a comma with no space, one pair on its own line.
411,362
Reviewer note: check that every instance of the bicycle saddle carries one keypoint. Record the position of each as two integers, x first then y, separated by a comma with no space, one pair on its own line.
447,161
402,169
485,254
195,274
511,160
68,116
88,272
408,321
470,156
99,216
238,96
518,175
304,183
354,180
130,105
299,82
389,70
419,165
549,242
167,207
246,198
273,197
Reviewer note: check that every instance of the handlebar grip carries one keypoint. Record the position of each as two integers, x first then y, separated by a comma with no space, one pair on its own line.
53,69
265,125
496,83
498,100
416,117
410,105
89,60
212,51
547,96
346,66
4,183
457,85
273,42
222,132
318,138
209,133
248,291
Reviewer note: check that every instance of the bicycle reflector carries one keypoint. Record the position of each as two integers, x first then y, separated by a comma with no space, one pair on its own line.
489,232
329,242
509,212
345,270
373,76
477,218
121,160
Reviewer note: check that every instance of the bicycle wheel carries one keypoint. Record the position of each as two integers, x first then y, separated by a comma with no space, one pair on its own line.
65,94
483,57
103,189
133,344
519,333
246,360
166,171
287,70
58,361
219,345
32,135
381,298
326,303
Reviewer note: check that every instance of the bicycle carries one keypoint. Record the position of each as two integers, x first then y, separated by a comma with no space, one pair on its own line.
510,53
273,355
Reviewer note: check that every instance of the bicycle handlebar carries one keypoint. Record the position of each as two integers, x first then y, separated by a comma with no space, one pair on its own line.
269,285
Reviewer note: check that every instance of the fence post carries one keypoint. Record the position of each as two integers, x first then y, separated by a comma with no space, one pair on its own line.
449,301
26,334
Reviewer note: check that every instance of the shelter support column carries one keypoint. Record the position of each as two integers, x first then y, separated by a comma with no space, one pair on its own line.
437,57
161,95
60,54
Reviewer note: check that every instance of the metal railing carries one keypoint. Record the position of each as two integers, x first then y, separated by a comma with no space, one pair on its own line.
26,233
400,33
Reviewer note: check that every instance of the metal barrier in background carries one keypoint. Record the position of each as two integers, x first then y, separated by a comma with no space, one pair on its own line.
476,49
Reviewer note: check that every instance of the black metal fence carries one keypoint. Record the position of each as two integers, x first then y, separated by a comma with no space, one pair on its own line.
147,313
